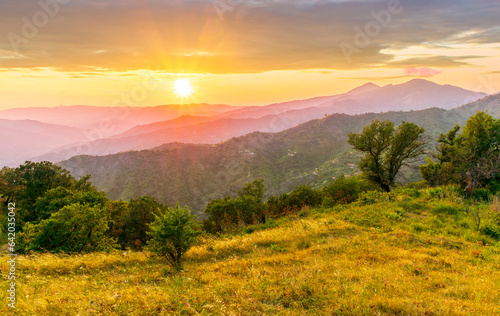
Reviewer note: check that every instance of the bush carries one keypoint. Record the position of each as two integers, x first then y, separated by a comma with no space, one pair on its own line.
481,195
343,191
491,230
74,228
136,219
172,234
416,185
293,202
304,196
229,213
418,227
442,208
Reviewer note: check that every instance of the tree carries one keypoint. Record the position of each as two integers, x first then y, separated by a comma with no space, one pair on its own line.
471,159
117,211
55,199
345,190
247,208
173,233
255,189
26,183
388,149
74,228
141,212
479,151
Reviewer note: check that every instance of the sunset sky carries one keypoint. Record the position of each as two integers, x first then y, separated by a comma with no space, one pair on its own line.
238,52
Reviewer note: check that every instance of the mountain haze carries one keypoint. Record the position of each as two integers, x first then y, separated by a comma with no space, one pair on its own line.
414,95
193,174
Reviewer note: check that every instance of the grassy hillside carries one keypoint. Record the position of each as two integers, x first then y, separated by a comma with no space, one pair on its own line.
194,174
405,253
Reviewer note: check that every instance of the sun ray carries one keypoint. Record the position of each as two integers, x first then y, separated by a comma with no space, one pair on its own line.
183,88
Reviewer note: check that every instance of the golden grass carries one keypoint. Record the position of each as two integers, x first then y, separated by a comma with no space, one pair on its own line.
320,266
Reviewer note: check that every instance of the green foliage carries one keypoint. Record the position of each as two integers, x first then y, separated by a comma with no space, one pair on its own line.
228,213
26,183
172,234
255,189
74,228
387,149
432,172
289,203
55,199
471,159
136,219
445,208
117,211
304,196
345,190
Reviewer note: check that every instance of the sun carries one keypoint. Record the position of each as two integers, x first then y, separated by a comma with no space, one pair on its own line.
183,88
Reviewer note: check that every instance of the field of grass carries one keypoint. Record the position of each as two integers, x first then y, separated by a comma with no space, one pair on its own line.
408,253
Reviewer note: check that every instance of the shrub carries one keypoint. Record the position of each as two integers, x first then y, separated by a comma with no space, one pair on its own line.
227,213
442,208
418,227
304,196
294,202
74,228
139,214
343,191
172,234
491,230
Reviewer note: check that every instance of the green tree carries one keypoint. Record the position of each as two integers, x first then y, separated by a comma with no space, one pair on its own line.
387,149
345,190
29,181
471,158
247,208
117,212
255,189
55,199
74,228
172,234
141,212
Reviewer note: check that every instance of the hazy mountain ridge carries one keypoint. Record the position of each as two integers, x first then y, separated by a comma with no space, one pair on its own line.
414,95
193,174
22,140
116,119
109,130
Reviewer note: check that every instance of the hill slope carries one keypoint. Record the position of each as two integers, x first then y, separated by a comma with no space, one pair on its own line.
193,174
394,256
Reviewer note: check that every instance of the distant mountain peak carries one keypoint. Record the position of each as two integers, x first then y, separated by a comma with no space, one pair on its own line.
420,81
370,86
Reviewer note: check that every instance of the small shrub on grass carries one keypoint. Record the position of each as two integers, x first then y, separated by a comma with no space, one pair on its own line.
303,244
417,185
442,208
491,230
172,234
480,195
418,227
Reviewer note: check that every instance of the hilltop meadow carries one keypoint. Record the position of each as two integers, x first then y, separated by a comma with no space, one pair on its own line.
409,252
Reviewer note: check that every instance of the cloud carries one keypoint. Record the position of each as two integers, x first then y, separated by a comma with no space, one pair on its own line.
258,36
421,72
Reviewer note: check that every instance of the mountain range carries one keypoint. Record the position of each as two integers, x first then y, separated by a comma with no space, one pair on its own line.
310,153
109,130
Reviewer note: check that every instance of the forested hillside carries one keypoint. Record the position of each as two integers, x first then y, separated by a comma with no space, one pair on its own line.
194,174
